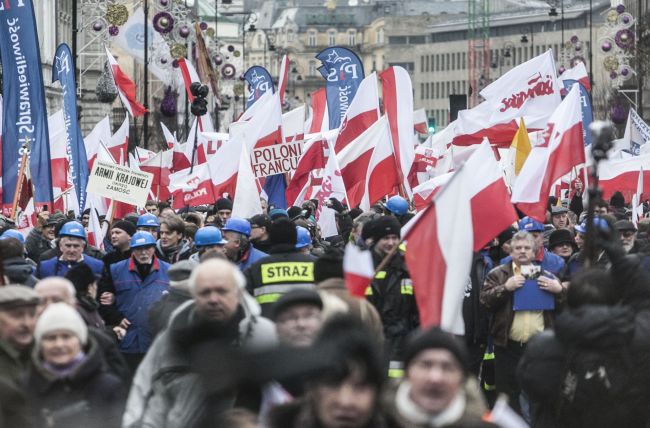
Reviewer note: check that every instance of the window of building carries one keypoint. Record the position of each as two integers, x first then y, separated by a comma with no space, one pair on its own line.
312,68
458,61
422,63
352,38
442,62
290,35
421,91
427,90
379,36
311,39
464,57
437,62
331,37
453,87
426,63
448,89
448,62
436,94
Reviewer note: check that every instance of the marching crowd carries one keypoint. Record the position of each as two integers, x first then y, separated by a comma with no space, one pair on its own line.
196,319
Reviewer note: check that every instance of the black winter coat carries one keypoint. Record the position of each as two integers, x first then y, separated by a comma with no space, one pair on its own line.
90,396
392,294
19,271
161,311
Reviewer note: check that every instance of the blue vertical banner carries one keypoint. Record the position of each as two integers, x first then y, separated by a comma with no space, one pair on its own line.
25,114
343,72
64,71
259,82
585,103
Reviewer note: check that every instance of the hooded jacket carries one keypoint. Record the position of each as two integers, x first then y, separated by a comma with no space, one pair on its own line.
89,396
166,392
19,271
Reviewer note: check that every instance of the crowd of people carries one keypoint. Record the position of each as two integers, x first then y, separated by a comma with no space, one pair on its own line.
197,318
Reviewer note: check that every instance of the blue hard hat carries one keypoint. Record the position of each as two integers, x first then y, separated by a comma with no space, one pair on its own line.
239,225
304,238
13,233
73,229
277,213
530,225
148,220
142,239
397,205
600,223
208,235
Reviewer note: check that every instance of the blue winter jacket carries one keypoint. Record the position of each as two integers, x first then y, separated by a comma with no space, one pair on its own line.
252,256
134,297
56,267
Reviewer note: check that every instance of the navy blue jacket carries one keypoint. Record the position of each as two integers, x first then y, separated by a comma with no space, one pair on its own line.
56,267
133,298
251,256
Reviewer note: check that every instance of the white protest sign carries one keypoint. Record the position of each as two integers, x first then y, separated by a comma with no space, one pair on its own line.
120,183
275,159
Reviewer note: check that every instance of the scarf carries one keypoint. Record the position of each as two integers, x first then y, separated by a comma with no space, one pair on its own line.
65,369
409,410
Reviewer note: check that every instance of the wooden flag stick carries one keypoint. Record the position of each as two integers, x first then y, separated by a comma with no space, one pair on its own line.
20,179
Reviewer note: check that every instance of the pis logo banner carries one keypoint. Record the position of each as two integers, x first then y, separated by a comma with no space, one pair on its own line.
343,71
259,82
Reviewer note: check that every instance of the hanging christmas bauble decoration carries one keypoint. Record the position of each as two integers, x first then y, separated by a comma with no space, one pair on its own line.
624,39
618,113
610,63
236,54
98,25
228,71
210,32
163,22
203,26
113,30
117,14
606,46
106,90
218,59
164,2
231,48
184,31
178,50
168,104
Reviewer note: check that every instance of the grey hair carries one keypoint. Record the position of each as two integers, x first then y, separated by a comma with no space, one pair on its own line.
216,266
57,280
522,235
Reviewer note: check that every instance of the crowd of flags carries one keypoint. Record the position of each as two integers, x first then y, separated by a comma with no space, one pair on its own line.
526,140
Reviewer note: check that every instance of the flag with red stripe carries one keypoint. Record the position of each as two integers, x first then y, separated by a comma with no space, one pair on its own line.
125,88
358,270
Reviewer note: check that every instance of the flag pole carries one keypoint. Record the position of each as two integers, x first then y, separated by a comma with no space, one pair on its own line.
20,179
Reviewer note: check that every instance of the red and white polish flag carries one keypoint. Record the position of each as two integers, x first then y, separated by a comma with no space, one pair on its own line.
283,77
623,175
313,158
293,124
358,270
362,113
579,74
425,192
421,122
397,91
383,174
119,142
469,211
125,88
561,151
319,116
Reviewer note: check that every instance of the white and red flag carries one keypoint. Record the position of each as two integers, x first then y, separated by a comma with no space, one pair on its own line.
531,90
397,92
125,88
466,214
473,125
424,193
312,158
95,232
119,142
160,166
358,270
561,151
637,201
579,74
319,116
421,122
622,175
332,187
100,135
362,113
293,124
383,175
192,186
354,160
283,77
170,138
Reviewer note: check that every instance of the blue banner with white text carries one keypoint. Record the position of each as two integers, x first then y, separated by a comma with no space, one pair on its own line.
64,71
259,82
585,104
343,71
24,110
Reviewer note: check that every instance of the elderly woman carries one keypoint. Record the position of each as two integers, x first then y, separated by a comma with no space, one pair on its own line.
68,384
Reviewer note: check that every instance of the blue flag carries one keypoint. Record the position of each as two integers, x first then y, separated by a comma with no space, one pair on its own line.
25,114
259,82
343,71
63,71
585,104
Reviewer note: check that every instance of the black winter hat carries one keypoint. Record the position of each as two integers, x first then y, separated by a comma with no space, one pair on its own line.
126,226
329,265
283,231
295,297
381,227
81,277
223,204
560,236
617,200
435,338
294,212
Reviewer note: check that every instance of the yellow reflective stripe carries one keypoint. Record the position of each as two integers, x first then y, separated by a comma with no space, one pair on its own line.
380,275
406,289
287,271
368,291
402,247
268,298
395,373
488,356
489,387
